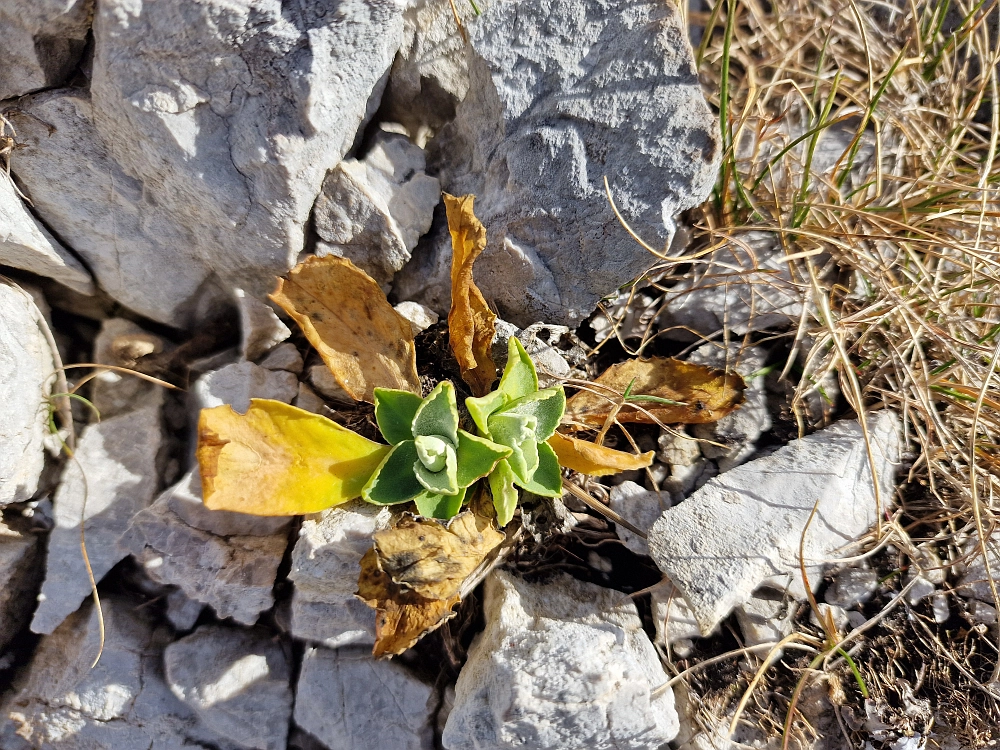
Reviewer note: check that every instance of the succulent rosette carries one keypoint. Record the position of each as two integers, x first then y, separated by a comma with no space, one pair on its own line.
520,417
432,461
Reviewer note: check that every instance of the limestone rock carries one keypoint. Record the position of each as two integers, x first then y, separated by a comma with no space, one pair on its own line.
674,621
551,110
112,478
236,680
239,382
20,553
182,612
121,342
43,41
203,155
761,508
260,328
420,316
373,211
122,702
184,499
26,367
640,507
565,664
284,357
26,244
326,563
234,575
349,701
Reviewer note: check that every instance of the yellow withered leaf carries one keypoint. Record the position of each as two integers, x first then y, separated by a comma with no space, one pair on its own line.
699,394
595,460
471,323
346,317
278,460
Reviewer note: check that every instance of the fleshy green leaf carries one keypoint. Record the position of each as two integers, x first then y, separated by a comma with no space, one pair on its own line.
546,406
519,376
394,481
477,457
433,451
438,413
547,479
444,482
394,412
481,408
517,432
504,492
431,505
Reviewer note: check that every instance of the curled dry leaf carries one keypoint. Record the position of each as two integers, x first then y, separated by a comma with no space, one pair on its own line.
669,390
414,574
595,460
471,323
346,317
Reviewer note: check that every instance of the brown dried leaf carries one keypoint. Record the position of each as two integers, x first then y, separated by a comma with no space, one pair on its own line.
595,460
346,317
703,394
471,323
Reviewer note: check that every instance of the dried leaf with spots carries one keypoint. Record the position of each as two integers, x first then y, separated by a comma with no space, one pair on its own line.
346,317
278,460
414,574
595,460
471,323
669,390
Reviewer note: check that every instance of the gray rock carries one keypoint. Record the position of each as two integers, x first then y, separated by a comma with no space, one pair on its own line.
20,554
260,328
26,376
420,316
565,664
234,575
674,621
203,155
43,41
640,507
67,703
236,680
120,342
26,244
552,109
112,477
284,357
184,499
765,620
237,383
539,341
852,587
324,382
743,286
373,211
182,612
326,563
759,511
349,701
308,400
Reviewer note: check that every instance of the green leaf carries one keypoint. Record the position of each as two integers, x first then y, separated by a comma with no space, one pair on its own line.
481,408
519,376
546,406
439,506
547,479
445,481
394,412
438,413
394,482
432,451
517,432
504,493
477,457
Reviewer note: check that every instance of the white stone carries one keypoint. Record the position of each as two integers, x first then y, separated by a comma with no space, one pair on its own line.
629,315
184,499
349,701
43,40
922,588
26,244
237,383
746,525
674,621
641,508
743,286
551,110
112,477
202,156
373,211
326,563
236,680
559,665
123,702
20,573
852,587
538,341
260,328
120,342
420,316
975,580
234,575
765,620
284,357
26,379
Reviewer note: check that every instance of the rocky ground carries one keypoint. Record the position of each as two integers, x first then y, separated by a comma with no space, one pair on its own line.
167,160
